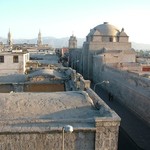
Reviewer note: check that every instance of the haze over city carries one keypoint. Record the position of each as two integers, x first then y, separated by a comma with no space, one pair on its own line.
62,18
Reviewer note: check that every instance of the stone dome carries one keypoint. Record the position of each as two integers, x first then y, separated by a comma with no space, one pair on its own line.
105,29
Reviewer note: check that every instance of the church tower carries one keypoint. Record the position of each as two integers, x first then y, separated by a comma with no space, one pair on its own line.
72,42
9,39
39,41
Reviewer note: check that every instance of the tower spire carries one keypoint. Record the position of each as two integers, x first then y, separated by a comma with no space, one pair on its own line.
72,42
9,39
39,41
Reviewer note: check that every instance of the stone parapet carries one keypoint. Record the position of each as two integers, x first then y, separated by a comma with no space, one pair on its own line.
107,126
84,83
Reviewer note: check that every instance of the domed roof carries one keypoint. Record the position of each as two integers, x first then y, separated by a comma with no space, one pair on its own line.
106,29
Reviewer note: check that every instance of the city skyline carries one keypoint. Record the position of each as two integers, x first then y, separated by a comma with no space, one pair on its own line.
62,18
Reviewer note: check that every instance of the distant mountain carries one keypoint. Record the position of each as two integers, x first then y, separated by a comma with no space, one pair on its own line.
63,42
140,46
54,42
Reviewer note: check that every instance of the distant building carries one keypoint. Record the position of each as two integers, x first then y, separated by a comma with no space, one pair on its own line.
13,62
39,41
9,40
110,43
72,42
2,46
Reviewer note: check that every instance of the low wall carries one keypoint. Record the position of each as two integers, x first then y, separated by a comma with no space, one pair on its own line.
52,140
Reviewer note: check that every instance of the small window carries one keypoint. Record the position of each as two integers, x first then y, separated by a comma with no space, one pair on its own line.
15,59
111,39
1,59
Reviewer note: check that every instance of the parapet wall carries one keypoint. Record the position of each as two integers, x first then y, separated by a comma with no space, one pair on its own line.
41,136
76,81
108,123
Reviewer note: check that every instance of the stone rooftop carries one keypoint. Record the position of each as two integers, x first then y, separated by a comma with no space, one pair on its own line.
37,112
57,105
21,78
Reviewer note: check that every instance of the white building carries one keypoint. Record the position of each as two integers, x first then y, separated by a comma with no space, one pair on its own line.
13,62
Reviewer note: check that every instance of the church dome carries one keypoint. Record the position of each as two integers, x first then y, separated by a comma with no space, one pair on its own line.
105,29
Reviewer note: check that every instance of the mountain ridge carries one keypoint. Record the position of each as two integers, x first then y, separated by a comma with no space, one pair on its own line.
63,42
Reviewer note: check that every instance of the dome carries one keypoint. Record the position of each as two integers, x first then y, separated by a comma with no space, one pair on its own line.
105,29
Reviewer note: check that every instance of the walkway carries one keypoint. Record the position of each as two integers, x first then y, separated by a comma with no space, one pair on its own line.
136,129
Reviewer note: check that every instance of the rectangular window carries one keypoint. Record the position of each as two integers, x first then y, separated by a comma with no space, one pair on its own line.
15,59
111,39
1,59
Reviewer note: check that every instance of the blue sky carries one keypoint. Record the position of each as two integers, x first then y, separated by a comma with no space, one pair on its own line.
59,18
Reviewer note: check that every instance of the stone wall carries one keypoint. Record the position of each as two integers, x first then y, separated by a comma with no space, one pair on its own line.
78,140
106,135
104,138
109,45
132,90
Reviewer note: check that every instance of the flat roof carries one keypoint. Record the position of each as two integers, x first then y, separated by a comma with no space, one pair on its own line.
57,105
12,53
22,78
40,112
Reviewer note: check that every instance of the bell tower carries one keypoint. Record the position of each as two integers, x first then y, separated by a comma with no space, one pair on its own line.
9,39
39,41
72,42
